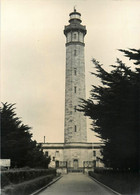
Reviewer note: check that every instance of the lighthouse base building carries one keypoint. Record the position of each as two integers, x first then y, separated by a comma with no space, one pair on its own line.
75,154
73,157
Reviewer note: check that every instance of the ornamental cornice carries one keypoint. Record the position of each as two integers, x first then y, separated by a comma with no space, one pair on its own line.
75,43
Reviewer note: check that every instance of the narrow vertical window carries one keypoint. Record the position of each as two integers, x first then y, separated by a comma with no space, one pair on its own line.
75,128
94,153
75,89
75,52
75,71
74,35
75,108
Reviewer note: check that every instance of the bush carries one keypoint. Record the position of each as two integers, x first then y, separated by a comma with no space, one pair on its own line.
27,187
18,176
122,182
4,180
104,170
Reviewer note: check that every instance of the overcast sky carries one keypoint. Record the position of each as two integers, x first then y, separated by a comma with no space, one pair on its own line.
33,54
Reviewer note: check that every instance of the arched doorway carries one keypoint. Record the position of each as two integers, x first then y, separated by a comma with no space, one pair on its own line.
75,164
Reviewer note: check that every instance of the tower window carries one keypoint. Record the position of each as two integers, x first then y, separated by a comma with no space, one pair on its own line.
94,153
74,35
75,89
75,71
75,128
75,52
75,108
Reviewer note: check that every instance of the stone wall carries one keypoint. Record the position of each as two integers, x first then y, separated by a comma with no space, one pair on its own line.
75,122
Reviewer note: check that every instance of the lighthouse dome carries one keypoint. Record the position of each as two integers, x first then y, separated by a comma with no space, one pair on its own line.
75,16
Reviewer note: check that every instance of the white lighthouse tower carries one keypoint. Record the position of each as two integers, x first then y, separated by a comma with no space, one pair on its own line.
75,154
75,122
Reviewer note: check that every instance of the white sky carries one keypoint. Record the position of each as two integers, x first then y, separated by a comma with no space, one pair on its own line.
33,54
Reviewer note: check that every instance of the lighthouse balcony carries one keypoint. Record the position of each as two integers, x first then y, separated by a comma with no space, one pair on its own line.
75,27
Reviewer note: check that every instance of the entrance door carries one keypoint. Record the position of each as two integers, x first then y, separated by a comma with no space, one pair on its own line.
75,164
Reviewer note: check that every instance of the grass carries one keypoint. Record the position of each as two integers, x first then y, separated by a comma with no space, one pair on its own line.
124,183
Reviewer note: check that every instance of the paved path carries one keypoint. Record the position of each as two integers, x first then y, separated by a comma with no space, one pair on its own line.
76,184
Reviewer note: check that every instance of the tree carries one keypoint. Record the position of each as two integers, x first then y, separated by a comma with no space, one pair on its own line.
16,142
114,108
133,54
36,158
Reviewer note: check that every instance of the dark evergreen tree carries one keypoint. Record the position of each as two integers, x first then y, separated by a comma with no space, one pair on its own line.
133,54
114,107
16,142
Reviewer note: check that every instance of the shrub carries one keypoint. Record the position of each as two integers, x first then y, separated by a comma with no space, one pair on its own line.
18,176
122,182
28,187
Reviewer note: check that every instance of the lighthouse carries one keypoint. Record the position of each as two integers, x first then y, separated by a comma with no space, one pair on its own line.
75,122
75,154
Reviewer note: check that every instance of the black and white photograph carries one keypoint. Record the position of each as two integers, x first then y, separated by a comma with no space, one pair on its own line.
70,97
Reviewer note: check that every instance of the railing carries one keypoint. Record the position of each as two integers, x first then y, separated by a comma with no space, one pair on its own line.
72,170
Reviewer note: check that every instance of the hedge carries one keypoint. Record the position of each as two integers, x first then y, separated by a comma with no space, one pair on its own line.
18,176
28,187
122,182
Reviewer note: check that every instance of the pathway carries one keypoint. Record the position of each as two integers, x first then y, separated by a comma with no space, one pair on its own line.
76,184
